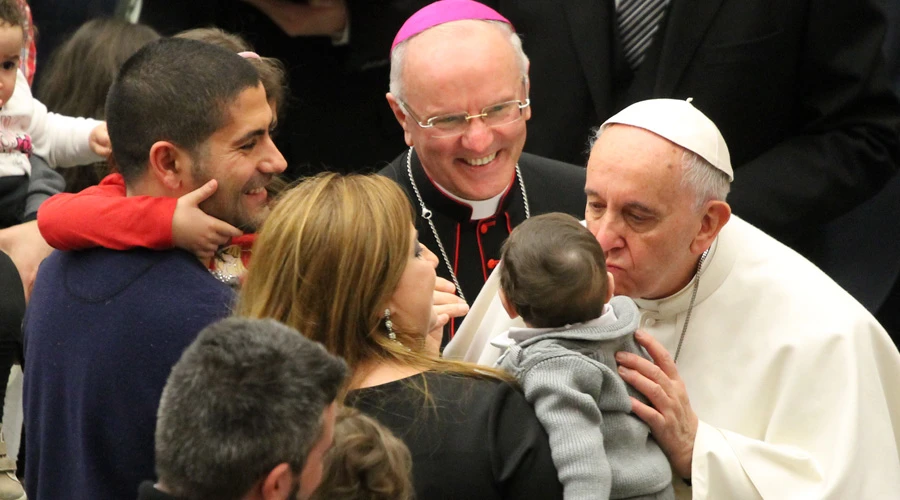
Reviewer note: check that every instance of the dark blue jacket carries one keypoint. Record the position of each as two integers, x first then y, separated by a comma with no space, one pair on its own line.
102,331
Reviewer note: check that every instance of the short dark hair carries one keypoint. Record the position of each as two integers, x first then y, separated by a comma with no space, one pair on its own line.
553,271
173,90
12,14
247,395
366,462
271,71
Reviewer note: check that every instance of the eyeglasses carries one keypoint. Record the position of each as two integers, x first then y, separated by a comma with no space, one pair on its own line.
451,125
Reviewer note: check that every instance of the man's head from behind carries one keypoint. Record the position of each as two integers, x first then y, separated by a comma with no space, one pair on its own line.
553,273
459,89
657,179
248,412
181,112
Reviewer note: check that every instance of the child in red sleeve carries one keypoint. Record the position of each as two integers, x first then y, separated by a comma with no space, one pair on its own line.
103,216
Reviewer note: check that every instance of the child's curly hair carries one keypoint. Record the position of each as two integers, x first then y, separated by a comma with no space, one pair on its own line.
366,462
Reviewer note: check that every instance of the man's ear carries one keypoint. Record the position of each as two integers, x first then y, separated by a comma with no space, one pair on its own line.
400,115
527,113
277,483
170,165
716,215
610,286
507,305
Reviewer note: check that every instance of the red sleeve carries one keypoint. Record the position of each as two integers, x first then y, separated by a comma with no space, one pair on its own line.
103,216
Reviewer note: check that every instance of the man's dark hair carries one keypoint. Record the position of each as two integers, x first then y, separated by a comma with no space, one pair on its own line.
12,14
553,271
247,395
174,90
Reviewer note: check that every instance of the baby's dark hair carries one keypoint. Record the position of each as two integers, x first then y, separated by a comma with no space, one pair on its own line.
366,462
12,14
553,272
271,71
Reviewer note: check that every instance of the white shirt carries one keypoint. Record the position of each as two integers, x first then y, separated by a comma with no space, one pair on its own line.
61,140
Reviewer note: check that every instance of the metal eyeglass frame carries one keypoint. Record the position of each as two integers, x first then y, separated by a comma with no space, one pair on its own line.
429,123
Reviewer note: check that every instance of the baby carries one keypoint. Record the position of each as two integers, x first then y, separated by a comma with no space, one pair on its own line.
26,127
553,274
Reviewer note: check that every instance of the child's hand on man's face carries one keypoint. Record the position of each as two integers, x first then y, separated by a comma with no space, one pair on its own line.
194,230
99,141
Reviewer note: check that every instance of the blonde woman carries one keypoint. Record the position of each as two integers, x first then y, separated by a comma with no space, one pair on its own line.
338,259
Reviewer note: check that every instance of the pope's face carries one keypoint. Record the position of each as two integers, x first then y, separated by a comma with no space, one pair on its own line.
638,210
464,68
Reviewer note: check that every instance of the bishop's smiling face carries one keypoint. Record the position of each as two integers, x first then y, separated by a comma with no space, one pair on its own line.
464,66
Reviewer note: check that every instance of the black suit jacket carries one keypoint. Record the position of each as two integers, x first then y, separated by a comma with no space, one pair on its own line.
797,87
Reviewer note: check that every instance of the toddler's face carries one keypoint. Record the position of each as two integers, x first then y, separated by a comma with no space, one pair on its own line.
11,41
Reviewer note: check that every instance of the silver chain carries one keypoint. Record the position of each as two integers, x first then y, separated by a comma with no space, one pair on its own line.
687,318
426,214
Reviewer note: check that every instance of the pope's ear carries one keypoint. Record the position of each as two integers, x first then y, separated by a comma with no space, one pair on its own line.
400,115
716,214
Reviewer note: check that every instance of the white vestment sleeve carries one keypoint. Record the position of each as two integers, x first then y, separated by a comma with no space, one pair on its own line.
486,319
829,437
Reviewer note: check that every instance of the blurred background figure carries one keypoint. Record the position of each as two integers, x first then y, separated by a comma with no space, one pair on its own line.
336,56
56,20
76,77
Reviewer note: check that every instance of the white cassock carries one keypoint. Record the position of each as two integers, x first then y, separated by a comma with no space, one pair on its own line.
796,385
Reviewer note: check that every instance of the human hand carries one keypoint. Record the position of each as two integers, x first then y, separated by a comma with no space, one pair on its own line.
671,418
315,18
194,230
27,249
99,140
446,305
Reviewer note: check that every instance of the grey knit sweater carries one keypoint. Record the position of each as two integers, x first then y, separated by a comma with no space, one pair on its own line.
599,448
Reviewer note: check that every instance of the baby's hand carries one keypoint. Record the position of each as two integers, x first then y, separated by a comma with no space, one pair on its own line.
99,141
194,230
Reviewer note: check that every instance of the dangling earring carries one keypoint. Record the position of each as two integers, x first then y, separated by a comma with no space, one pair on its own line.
389,325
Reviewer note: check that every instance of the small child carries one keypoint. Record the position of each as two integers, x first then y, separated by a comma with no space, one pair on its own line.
553,275
26,127
103,216
365,462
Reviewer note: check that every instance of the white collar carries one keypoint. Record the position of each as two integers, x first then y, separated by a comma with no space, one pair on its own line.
481,209
716,268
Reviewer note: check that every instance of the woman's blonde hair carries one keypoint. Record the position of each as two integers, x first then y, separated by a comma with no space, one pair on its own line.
327,261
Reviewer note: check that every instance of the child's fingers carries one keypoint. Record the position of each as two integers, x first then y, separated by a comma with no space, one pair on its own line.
197,196
226,230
